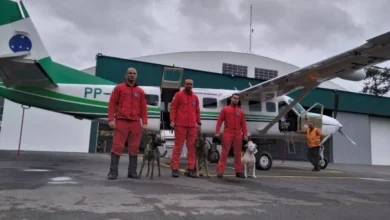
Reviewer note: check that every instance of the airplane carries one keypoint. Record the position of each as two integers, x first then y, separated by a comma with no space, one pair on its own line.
31,78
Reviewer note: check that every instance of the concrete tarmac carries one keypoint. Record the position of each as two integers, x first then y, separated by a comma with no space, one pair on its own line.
40,185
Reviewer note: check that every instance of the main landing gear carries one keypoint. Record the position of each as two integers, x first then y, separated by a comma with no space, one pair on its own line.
213,153
263,160
323,161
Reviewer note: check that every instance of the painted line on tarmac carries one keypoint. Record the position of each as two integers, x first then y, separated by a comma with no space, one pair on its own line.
363,171
308,167
290,176
275,176
166,165
308,171
376,179
301,171
336,169
36,170
321,177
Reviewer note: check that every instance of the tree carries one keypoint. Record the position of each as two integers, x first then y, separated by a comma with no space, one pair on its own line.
377,81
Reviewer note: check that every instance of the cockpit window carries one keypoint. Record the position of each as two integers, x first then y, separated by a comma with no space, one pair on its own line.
298,107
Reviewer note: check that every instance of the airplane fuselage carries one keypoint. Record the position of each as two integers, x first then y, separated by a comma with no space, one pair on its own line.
91,102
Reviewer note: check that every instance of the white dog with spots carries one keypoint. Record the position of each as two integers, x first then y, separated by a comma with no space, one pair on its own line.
249,159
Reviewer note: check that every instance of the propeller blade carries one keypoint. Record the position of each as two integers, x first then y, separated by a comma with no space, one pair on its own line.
342,133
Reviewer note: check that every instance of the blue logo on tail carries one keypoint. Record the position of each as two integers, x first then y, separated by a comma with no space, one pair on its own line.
19,43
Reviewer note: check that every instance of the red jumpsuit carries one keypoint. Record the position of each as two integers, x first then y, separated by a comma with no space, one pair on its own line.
234,128
130,105
185,113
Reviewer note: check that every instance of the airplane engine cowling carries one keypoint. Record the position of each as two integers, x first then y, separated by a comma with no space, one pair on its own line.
357,75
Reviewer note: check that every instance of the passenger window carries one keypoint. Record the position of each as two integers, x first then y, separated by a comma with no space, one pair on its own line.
209,103
152,99
270,106
254,106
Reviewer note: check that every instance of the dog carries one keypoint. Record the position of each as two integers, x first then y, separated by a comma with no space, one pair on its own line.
152,154
249,159
201,154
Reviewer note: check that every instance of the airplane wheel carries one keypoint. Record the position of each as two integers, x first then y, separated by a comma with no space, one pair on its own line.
213,157
324,163
263,160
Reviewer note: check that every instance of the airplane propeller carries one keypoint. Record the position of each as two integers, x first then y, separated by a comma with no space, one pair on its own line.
336,107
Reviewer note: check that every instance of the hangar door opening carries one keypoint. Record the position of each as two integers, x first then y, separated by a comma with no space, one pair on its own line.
357,127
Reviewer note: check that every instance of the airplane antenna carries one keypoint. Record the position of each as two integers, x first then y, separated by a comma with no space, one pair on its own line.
250,31
250,84
235,88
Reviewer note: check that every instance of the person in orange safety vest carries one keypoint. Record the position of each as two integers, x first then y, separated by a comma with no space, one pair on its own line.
314,136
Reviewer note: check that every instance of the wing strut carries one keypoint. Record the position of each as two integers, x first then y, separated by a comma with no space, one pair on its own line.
286,109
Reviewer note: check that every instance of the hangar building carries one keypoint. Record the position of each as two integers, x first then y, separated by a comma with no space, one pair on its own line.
364,117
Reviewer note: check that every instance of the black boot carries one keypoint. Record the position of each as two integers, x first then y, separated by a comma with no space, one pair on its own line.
240,175
113,174
191,173
175,173
132,170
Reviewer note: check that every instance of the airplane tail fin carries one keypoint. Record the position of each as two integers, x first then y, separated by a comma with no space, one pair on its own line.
21,48
24,60
18,33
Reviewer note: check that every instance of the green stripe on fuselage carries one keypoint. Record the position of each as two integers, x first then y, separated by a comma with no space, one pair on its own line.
54,101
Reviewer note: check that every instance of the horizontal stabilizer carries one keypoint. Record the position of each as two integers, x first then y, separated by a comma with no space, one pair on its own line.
15,71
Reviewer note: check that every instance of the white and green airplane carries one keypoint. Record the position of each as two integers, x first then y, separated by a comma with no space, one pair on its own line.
30,77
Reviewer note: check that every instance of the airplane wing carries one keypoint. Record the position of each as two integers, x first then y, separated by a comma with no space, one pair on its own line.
15,70
345,65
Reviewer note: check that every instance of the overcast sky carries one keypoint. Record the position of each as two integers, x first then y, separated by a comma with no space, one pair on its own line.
299,32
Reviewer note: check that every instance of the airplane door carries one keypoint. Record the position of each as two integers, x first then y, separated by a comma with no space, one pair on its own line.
171,78
307,116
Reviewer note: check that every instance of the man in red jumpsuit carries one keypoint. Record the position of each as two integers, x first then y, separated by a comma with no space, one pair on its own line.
128,101
185,118
234,128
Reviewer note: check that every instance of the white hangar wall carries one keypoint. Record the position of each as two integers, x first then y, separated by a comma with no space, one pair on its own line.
43,130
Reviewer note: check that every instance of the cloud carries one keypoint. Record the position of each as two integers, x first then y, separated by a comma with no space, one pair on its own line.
307,24
299,32
74,31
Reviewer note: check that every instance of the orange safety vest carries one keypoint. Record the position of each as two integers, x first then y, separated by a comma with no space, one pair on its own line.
313,139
